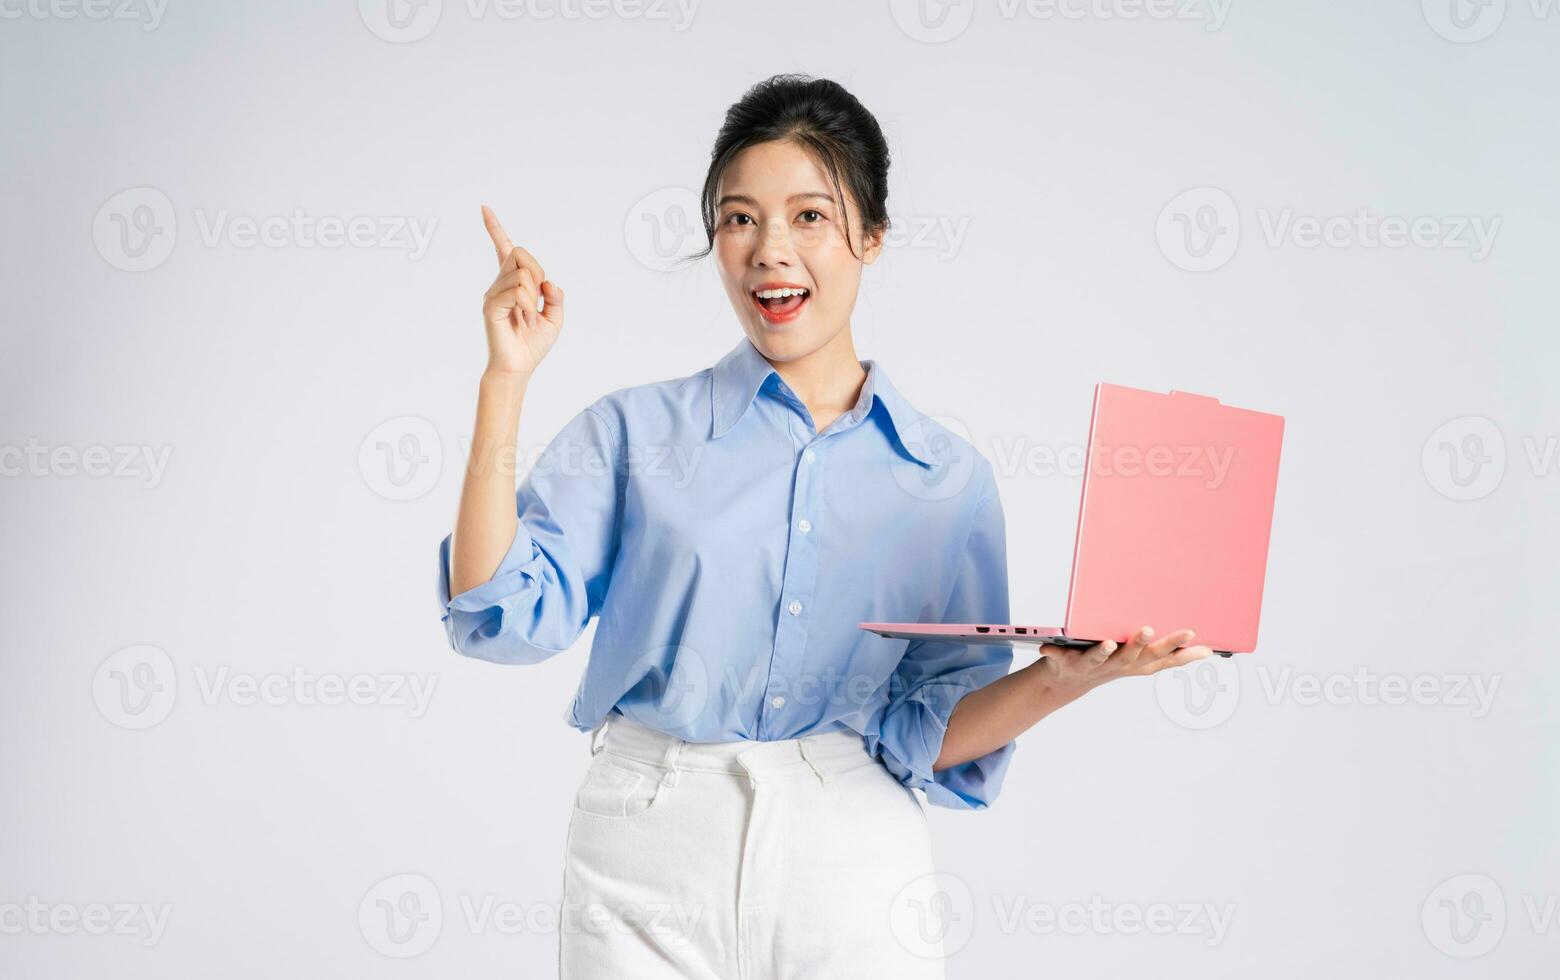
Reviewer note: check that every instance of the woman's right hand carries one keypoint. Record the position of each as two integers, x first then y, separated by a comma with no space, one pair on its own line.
520,330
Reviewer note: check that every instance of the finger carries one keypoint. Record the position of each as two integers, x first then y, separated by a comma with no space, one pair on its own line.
1133,648
526,260
1099,652
496,232
525,297
515,256
500,307
552,296
1167,644
519,258
505,281
1181,658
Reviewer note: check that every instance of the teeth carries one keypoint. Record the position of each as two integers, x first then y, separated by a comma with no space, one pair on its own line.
779,293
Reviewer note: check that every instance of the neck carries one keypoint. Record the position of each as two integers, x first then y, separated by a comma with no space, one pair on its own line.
829,380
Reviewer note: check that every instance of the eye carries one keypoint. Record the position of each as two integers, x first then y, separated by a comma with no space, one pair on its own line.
810,216
737,218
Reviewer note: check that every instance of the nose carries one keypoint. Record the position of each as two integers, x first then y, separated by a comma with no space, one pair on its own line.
774,247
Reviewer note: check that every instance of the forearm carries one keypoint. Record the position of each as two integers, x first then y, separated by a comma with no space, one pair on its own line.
486,523
987,719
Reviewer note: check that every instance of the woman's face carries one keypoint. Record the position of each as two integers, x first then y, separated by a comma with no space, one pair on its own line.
779,227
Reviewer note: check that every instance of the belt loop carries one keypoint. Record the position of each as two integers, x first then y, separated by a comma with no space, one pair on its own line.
669,760
807,749
598,737
752,777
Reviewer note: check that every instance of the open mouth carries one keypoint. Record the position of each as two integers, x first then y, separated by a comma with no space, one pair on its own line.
778,304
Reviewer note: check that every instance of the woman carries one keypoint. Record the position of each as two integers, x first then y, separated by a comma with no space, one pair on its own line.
749,810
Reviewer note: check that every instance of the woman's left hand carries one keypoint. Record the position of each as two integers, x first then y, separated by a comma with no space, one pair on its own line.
1139,656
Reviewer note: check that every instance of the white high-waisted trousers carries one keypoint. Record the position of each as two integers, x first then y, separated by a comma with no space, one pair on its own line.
798,859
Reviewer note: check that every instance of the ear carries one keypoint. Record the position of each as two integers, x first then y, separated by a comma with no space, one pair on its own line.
873,246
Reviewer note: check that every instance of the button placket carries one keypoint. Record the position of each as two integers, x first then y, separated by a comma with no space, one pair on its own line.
801,570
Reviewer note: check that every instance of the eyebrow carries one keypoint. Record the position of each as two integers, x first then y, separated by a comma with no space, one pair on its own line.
744,199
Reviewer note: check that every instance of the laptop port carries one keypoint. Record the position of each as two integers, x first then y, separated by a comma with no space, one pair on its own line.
983,629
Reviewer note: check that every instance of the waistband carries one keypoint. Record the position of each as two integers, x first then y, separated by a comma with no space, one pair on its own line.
825,753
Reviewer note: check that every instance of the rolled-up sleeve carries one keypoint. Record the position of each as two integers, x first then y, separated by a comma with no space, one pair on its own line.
935,674
554,576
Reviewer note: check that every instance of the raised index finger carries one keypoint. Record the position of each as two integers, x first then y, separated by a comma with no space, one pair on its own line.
496,232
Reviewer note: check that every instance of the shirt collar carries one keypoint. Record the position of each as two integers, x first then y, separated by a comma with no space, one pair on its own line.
737,378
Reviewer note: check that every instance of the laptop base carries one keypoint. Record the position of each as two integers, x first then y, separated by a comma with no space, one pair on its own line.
985,634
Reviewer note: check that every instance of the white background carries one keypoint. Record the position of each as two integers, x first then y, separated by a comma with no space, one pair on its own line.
1035,154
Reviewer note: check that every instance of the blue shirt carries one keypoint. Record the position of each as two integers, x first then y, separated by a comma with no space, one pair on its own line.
729,550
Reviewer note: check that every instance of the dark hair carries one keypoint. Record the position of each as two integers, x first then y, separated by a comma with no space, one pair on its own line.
823,118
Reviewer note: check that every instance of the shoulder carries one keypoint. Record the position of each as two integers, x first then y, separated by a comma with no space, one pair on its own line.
654,405
945,444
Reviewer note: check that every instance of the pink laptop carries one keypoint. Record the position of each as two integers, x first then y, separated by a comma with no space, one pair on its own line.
1173,526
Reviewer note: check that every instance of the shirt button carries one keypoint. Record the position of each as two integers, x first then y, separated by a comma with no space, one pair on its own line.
809,456
777,702
794,608
804,525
